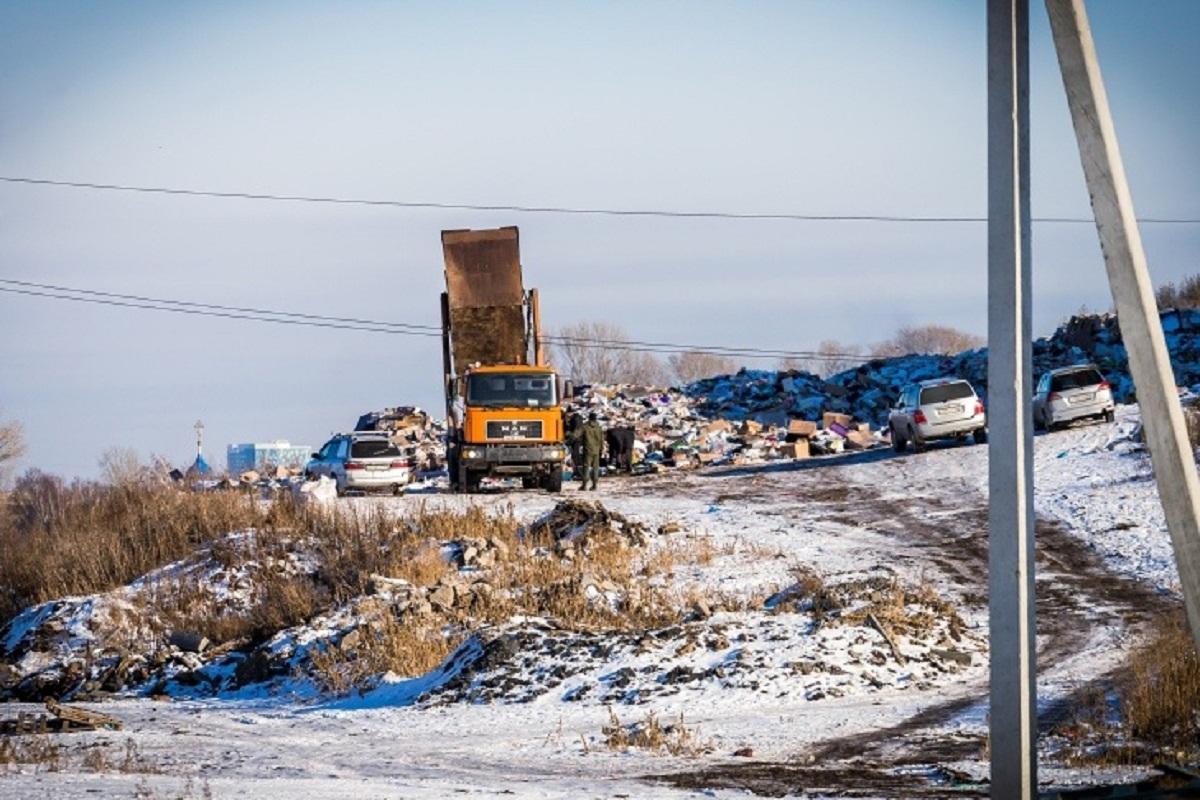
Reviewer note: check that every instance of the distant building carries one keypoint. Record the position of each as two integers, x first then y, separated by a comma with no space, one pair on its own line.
264,456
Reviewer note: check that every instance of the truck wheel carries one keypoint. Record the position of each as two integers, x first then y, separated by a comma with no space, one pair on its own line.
529,482
553,481
980,436
471,482
899,443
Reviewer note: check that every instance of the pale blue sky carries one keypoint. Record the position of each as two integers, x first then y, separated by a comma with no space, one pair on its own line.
818,107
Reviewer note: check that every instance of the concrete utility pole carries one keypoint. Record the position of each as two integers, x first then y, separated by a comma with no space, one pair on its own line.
1133,294
1013,709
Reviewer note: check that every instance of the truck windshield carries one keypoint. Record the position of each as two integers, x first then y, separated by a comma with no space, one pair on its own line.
509,389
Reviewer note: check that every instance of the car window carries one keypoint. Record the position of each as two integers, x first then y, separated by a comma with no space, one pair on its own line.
374,448
328,450
946,392
343,448
1075,380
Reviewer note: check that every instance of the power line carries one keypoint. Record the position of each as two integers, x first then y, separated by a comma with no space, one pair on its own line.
553,338
610,212
60,292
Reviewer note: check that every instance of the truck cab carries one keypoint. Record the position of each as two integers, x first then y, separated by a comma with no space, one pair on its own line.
512,425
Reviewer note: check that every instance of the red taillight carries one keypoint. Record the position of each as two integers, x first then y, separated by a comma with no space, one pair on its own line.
1103,385
919,417
978,407
1050,398
401,464
352,465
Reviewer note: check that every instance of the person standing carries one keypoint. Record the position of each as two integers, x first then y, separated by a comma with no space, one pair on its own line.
574,439
593,444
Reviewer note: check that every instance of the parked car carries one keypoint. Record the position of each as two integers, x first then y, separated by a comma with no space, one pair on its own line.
1071,393
362,461
946,408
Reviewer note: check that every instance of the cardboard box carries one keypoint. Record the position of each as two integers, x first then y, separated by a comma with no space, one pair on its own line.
828,418
751,428
864,427
718,426
800,428
796,449
857,440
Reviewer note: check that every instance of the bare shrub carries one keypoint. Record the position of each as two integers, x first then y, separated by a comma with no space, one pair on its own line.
585,350
927,339
1185,295
12,445
676,738
695,365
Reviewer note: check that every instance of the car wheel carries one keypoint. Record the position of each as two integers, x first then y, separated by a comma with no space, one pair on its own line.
1038,423
1110,416
917,442
899,443
397,489
980,436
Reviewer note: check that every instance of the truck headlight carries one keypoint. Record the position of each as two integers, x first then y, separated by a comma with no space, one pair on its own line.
471,453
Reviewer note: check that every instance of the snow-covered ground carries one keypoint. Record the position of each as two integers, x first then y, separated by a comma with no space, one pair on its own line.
918,518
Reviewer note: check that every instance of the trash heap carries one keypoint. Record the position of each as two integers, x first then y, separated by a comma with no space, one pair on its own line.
413,430
682,428
869,391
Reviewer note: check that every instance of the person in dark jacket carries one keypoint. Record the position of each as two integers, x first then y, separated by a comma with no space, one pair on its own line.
574,437
592,436
620,447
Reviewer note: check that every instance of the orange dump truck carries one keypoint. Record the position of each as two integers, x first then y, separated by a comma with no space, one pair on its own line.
503,402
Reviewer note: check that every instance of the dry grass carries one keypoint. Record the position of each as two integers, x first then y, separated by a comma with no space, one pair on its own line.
299,561
384,646
60,539
676,738
1160,696
40,751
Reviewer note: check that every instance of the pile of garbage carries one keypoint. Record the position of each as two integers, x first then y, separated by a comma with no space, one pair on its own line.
688,428
867,392
412,430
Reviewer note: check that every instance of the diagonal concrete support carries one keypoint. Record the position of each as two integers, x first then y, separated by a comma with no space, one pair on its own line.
1013,709
1133,293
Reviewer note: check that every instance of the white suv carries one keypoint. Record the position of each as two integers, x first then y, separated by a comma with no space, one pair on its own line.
362,461
1071,393
937,409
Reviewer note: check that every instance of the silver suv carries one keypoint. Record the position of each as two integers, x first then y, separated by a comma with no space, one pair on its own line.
362,461
1071,393
937,409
